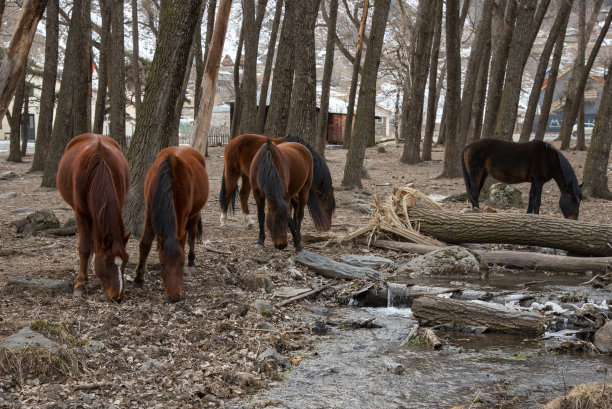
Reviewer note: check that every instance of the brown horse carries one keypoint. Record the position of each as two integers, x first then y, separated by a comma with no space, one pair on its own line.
93,177
282,175
238,157
536,162
176,189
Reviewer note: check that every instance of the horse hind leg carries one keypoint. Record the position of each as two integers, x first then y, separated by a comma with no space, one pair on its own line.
192,233
245,190
535,197
84,250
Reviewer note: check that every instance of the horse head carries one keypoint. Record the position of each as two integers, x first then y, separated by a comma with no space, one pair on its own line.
569,203
172,258
277,221
109,266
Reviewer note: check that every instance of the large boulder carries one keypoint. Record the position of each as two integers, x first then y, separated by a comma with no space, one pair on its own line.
453,260
37,222
603,338
503,195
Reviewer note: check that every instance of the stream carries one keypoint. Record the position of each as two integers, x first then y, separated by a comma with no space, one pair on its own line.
375,368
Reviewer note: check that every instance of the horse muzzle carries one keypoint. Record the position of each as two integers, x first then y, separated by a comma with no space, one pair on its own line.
280,246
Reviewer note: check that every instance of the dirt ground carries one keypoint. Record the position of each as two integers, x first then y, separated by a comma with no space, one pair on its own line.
202,351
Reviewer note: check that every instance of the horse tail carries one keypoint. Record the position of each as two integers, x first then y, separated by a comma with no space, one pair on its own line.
466,176
163,213
269,179
222,201
569,177
321,180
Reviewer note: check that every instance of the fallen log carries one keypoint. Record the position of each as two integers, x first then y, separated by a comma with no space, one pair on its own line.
395,295
528,229
333,269
516,259
470,314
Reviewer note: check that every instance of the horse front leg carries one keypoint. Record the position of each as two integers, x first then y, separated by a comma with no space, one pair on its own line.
298,217
537,195
192,233
531,197
84,249
260,200
144,248
245,189
228,186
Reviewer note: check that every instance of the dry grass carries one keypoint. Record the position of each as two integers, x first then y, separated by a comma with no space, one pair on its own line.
36,362
585,396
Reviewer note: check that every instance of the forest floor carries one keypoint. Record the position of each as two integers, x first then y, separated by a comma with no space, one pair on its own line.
204,350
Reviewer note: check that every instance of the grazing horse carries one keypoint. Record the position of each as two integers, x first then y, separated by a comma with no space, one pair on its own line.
238,157
93,178
176,189
282,176
536,162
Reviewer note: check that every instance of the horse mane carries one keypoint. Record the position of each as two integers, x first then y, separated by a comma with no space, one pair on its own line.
163,215
224,205
268,178
102,195
569,177
321,176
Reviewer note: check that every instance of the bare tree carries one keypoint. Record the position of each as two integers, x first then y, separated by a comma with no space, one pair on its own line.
237,114
117,74
47,95
364,118
103,74
73,99
136,57
15,121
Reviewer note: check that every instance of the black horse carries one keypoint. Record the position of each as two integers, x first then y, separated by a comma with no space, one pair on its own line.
536,162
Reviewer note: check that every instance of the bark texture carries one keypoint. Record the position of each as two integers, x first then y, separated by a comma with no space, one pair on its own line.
136,58
117,75
100,107
73,99
15,121
47,94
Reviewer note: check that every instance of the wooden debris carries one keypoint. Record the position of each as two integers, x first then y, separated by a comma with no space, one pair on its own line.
333,269
428,334
304,295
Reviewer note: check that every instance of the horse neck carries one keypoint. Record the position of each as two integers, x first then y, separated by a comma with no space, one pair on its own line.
565,176
163,207
270,175
104,205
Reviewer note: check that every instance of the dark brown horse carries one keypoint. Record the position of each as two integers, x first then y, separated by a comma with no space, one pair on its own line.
282,176
238,157
176,189
93,177
536,162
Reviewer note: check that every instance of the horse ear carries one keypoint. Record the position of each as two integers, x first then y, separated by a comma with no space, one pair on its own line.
126,237
107,241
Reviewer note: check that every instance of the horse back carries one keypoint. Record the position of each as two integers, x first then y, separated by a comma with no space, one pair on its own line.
241,150
299,166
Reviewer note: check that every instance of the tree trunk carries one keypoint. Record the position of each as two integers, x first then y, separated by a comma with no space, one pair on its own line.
262,107
201,61
2,5
162,89
210,25
452,167
103,72
330,47
47,95
595,177
528,229
364,118
434,93
348,125
575,91
550,85
501,48
412,114
302,120
237,114
464,314
558,26
199,136
478,103
15,121
136,57
333,269
282,80
527,25
580,137
15,60
25,119
72,101
116,84
252,27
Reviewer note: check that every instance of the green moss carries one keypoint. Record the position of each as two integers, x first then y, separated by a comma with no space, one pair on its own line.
416,341
58,332
517,357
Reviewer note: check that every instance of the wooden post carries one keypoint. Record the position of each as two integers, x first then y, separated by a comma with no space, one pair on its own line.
14,61
199,135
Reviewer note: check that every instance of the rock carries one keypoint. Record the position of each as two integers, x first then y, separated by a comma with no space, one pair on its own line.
8,175
381,149
87,398
27,337
603,338
263,307
8,195
22,210
365,261
395,367
40,283
95,346
37,222
70,223
258,280
288,292
503,195
319,327
271,353
453,260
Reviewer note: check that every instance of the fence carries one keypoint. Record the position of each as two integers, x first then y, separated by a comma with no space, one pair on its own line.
214,139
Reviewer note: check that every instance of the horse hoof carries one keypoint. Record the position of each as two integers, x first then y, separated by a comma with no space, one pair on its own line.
78,292
139,283
259,246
